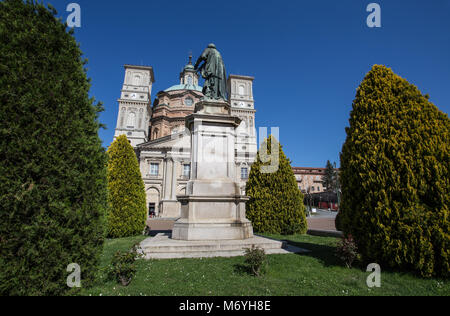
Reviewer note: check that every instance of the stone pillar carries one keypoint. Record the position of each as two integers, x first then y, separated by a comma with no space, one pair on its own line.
170,208
173,192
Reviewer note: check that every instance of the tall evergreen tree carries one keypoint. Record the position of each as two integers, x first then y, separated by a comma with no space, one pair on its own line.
330,177
126,191
395,176
276,203
53,167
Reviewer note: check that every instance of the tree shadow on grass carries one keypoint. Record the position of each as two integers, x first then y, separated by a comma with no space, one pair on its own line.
325,254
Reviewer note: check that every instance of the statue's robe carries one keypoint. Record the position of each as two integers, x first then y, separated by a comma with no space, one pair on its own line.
214,73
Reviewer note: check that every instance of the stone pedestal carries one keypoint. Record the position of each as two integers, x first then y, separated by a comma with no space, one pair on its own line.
213,208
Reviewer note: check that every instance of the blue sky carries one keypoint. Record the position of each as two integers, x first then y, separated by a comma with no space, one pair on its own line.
308,57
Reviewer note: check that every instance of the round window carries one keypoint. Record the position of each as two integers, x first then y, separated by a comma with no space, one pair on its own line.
189,101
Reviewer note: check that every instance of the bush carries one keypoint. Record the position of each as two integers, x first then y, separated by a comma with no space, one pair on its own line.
347,251
123,267
292,229
395,176
255,258
52,170
126,191
276,203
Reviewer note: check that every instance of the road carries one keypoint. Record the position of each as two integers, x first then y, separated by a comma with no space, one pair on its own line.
322,220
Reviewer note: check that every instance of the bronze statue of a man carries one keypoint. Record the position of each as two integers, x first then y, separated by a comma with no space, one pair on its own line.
214,73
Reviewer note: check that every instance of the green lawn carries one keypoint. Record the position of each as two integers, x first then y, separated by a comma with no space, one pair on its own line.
317,273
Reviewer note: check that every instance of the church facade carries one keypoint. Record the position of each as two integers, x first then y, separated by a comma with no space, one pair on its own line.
163,144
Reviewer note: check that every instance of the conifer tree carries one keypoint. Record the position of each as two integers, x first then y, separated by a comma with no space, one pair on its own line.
395,176
276,203
53,167
329,179
126,191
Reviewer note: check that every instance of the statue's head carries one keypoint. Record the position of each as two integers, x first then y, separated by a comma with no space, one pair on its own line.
211,45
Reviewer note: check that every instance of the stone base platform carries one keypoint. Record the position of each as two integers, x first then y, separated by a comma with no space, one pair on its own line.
163,247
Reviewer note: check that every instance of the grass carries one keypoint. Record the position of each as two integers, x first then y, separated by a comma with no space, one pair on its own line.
317,273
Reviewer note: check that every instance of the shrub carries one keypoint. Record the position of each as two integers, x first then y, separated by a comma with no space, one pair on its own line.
276,203
395,176
338,221
347,251
255,258
52,170
126,191
292,229
123,267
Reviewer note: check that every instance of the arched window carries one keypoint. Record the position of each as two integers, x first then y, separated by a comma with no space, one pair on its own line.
137,80
122,116
243,128
241,90
188,101
131,123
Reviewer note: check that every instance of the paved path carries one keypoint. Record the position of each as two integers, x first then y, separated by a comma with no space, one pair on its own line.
323,220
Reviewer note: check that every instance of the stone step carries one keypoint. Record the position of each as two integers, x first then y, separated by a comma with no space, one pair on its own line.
163,247
211,247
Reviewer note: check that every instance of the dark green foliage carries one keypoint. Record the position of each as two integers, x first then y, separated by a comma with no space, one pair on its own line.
330,177
126,191
276,203
254,259
338,222
53,167
395,176
123,266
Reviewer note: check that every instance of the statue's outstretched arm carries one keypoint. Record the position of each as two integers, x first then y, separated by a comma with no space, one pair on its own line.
203,57
200,59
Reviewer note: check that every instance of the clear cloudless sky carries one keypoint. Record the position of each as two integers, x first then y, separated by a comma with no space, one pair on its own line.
307,57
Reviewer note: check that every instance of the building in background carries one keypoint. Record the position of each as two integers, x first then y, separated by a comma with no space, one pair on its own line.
309,180
159,136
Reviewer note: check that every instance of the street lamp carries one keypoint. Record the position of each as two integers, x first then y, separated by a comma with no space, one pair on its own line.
338,187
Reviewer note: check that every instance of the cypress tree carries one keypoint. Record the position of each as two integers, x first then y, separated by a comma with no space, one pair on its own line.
395,176
53,167
276,203
126,191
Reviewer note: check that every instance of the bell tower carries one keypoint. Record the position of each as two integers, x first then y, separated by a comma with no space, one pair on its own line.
135,104
240,94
